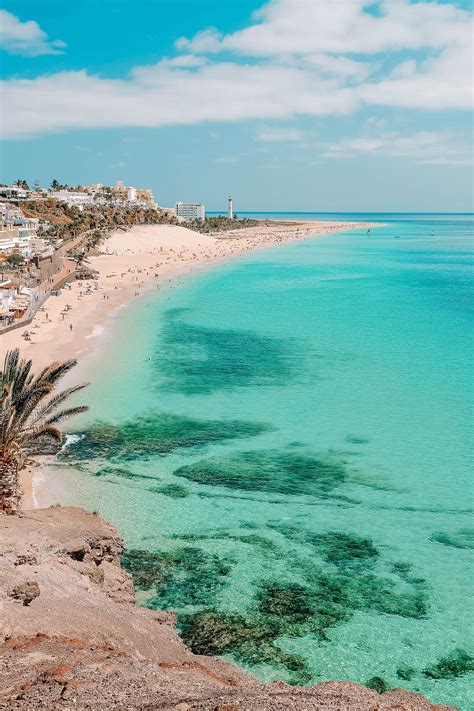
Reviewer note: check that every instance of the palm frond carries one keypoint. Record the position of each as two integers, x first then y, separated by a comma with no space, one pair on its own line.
21,376
9,367
29,400
28,412
56,371
57,400
65,414
44,430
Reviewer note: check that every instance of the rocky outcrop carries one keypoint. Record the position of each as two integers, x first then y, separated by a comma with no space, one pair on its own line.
72,636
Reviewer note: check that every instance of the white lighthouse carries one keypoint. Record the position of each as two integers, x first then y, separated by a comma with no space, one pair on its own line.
230,210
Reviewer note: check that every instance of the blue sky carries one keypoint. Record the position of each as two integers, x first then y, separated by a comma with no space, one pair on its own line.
288,105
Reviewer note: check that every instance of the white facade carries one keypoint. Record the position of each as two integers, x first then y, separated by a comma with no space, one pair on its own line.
14,298
119,195
18,234
15,240
10,240
14,193
190,211
73,199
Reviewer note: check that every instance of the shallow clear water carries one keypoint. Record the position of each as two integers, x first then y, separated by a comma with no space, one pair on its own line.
289,436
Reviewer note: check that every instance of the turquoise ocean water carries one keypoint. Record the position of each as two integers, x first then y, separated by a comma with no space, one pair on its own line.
285,443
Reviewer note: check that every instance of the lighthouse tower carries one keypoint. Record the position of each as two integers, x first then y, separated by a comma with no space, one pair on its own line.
230,210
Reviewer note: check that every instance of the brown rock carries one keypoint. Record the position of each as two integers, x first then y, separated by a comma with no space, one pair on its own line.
25,592
77,550
60,670
26,559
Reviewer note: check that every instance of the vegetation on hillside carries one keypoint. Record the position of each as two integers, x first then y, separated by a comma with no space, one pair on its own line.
15,260
50,210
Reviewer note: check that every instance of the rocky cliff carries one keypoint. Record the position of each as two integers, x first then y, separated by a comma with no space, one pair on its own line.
72,637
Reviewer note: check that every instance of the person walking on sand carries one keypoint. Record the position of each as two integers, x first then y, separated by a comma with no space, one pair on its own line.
70,326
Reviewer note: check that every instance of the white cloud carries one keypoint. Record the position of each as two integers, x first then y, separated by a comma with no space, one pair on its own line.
27,38
324,35
159,96
269,134
338,66
426,147
203,42
442,82
187,61
307,58
301,27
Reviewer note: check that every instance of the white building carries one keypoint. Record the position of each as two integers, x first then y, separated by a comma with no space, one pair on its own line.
13,193
98,194
18,234
23,241
73,199
191,211
230,209
15,300
10,240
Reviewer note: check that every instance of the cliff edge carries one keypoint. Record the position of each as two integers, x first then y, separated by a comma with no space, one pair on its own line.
72,637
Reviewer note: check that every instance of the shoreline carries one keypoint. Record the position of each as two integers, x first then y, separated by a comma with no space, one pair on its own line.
130,265
169,247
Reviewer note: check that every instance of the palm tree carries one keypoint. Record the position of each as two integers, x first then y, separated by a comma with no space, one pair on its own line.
28,419
21,184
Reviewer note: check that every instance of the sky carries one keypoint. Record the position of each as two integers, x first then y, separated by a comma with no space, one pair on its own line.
287,105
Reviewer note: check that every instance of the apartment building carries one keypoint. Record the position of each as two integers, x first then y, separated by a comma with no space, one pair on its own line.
19,234
191,211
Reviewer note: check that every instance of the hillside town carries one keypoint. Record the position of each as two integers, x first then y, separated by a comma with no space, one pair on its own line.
45,234
81,195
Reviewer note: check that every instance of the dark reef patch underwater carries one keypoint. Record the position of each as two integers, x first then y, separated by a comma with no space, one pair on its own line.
269,471
323,591
193,359
182,578
154,434
454,665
